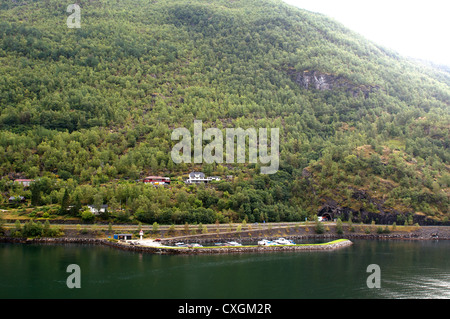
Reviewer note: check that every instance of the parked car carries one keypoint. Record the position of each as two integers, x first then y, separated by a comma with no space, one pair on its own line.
233,243
284,241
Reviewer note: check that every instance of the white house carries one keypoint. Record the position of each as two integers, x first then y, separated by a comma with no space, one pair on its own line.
96,211
196,178
199,177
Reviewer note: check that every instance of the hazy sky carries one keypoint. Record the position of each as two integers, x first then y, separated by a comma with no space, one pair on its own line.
419,29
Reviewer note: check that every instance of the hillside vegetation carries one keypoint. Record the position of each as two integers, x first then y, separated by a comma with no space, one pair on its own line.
87,112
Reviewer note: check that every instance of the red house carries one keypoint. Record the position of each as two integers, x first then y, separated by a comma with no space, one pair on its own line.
157,180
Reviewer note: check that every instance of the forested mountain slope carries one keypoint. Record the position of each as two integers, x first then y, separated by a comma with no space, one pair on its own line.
88,111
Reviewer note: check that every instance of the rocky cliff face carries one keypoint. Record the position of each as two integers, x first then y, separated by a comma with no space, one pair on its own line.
324,81
332,209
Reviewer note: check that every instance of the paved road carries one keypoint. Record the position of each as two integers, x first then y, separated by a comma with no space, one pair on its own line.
145,227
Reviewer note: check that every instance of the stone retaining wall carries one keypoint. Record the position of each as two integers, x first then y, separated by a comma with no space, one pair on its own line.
56,240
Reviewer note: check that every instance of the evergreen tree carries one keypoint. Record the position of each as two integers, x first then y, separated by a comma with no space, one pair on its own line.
35,194
339,227
65,202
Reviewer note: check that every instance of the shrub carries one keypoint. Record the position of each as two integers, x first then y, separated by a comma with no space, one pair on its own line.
381,230
18,226
87,216
339,228
171,230
319,228
155,227
350,223
49,231
32,229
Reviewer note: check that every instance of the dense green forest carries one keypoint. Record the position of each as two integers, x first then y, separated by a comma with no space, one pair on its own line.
87,112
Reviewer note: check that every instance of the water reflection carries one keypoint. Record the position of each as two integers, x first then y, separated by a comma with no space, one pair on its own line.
434,286
408,270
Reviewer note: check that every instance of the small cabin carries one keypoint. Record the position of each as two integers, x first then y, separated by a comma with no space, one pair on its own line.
16,199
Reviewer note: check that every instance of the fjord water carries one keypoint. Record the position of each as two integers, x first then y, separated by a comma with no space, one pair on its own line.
409,269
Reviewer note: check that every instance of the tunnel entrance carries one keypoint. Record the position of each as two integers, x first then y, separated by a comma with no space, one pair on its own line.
326,216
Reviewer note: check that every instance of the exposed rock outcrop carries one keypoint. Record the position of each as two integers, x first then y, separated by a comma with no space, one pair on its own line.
323,81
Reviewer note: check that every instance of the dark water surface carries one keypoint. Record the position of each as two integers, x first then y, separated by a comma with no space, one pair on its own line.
408,269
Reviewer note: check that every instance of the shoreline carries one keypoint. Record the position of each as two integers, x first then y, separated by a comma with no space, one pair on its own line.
332,240
170,250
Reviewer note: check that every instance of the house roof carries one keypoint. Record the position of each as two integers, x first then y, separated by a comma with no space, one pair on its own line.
196,173
14,197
